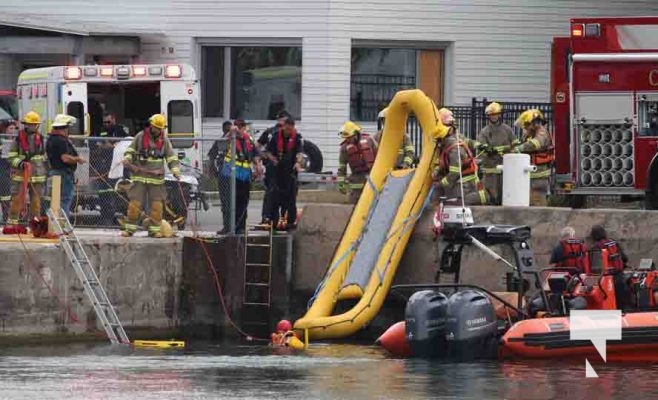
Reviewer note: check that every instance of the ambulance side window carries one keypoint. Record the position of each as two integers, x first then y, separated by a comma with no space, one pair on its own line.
76,109
181,122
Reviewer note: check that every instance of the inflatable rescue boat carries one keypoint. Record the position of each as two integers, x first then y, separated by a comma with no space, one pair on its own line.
466,322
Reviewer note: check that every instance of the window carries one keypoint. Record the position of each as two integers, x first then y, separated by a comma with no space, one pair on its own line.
263,81
76,109
181,122
212,59
378,73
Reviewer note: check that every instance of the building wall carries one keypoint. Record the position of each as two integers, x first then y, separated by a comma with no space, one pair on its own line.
499,49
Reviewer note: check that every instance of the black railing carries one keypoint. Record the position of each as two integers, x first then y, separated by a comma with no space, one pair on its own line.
471,119
370,93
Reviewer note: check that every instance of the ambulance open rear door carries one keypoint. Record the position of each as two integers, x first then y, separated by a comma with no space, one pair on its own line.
180,104
74,99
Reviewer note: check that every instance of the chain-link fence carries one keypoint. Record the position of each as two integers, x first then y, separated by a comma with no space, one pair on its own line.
201,200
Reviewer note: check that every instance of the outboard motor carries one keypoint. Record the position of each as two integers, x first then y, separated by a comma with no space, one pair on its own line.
448,220
471,326
425,317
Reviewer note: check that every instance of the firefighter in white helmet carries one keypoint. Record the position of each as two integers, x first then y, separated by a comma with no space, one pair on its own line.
146,158
358,150
406,153
454,159
537,142
496,138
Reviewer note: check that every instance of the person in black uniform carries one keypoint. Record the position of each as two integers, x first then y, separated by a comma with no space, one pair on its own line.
283,152
102,152
261,144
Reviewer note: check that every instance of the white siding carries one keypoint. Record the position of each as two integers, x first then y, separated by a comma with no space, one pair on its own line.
499,49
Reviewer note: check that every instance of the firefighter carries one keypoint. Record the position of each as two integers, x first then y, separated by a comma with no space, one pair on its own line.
536,142
146,158
497,138
570,252
406,153
358,150
10,129
446,173
27,157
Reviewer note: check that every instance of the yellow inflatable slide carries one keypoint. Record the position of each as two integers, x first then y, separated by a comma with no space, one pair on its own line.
377,234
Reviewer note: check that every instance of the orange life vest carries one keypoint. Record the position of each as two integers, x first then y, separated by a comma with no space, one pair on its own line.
280,339
469,166
360,155
573,254
614,261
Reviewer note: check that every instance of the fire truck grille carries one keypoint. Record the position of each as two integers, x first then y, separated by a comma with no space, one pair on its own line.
606,156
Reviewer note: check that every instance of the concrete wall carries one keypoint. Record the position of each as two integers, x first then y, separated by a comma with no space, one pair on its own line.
321,227
140,276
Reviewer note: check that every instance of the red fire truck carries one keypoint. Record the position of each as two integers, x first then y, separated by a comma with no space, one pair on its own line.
604,91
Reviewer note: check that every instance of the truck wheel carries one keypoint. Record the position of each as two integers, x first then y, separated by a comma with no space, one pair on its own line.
651,199
312,158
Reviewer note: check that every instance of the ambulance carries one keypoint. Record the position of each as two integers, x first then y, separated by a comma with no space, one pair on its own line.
132,92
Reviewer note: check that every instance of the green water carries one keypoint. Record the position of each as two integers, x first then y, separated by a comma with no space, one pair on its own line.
231,371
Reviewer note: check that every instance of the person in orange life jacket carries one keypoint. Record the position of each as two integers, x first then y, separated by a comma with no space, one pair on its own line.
570,252
284,154
101,165
63,158
282,334
617,261
536,142
145,158
358,150
10,129
447,169
261,144
28,172
246,155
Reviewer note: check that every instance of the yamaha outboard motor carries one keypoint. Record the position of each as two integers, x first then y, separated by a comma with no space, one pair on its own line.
471,326
425,317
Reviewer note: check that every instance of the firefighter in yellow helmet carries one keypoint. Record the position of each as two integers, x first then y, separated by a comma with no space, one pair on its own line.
455,158
497,138
537,142
358,150
146,157
406,153
27,157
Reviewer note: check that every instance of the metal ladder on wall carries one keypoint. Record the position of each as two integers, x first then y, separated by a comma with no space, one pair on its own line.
257,276
85,272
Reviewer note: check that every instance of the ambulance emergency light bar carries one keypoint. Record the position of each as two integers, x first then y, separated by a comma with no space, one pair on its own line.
122,71
586,30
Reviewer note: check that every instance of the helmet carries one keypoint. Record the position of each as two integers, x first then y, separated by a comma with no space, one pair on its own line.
31,118
528,117
283,326
446,117
349,129
166,229
382,113
493,109
158,121
63,121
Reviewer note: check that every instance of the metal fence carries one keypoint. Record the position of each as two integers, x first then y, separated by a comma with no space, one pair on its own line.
471,119
200,200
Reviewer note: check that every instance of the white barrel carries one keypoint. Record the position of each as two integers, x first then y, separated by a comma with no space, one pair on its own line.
516,179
